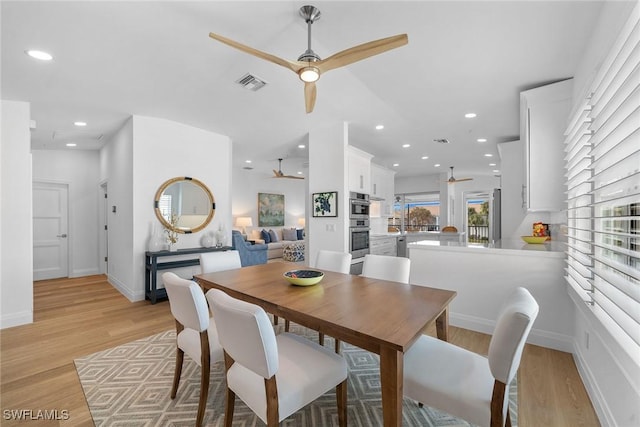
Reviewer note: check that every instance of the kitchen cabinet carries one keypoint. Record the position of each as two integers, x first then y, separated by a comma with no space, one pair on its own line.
513,203
543,116
359,164
383,245
382,188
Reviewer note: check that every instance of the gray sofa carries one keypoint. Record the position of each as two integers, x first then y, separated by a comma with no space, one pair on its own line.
274,249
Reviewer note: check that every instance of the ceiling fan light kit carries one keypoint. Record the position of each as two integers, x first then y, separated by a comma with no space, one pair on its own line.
309,66
309,74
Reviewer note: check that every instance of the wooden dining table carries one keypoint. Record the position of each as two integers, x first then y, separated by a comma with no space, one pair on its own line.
380,316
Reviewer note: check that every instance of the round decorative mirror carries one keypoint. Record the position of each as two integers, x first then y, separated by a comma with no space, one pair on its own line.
184,205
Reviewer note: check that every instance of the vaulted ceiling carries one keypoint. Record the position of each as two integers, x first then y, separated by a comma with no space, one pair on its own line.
154,58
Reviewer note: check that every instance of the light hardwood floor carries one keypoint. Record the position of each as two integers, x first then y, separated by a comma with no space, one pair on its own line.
76,317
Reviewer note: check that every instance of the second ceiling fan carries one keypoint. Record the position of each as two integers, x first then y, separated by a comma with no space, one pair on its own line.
309,66
452,180
279,174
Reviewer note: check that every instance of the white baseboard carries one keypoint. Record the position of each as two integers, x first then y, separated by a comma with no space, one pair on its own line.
539,337
598,399
16,319
85,272
124,290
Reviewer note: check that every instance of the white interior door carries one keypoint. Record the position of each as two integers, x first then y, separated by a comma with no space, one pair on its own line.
50,230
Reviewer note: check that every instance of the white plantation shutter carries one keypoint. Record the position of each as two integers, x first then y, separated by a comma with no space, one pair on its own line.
602,159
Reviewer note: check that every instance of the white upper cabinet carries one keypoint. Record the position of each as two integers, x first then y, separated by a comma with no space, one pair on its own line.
543,116
359,170
382,188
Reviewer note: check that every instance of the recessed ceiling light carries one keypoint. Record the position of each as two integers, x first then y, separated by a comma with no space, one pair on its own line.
38,54
406,145
424,157
301,146
299,173
496,170
481,139
395,165
488,155
437,165
80,124
492,164
470,115
379,127
71,144
247,161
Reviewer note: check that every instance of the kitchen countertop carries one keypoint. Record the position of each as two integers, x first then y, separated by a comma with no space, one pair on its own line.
555,249
415,234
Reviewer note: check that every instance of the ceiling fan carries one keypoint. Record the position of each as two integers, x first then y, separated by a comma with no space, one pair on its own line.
452,180
309,66
278,173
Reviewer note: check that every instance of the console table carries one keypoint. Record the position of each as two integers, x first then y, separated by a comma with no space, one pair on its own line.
152,266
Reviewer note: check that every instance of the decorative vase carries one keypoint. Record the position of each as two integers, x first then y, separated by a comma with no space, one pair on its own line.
172,247
207,240
156,242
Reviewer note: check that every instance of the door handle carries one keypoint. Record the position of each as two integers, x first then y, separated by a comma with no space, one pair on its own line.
62,235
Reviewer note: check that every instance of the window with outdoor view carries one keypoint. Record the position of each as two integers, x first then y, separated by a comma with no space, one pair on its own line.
415,212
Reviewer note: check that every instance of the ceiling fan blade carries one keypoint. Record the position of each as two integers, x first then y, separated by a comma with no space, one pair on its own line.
293,177
278,174
360,52
291,65
310,96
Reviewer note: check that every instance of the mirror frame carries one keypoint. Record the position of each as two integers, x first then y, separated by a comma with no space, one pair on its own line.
167,224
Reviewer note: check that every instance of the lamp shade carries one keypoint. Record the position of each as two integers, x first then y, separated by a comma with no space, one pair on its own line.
244,221
301,222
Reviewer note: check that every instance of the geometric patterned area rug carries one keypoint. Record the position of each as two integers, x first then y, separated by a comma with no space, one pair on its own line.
129,385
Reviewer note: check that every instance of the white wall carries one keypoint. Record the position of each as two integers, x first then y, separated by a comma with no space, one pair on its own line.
16,205
328,167
612,377
117,170
80,170
163,149
248,183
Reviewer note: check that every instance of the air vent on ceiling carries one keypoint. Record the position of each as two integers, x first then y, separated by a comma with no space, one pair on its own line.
251,82
248,168
441,140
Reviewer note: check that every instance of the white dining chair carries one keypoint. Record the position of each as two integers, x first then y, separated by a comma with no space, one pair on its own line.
385,267
196,334
219,261
274,375
340,262
468,385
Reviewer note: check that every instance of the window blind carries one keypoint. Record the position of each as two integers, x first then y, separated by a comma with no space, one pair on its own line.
602,146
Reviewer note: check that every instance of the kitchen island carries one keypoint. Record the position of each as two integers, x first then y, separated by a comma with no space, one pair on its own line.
483,276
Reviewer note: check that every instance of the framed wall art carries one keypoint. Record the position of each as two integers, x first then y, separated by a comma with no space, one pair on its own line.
270,210
325,204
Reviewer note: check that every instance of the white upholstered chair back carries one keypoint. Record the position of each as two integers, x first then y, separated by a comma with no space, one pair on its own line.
340,262
219,261
514,323
385,267
187,302
245,332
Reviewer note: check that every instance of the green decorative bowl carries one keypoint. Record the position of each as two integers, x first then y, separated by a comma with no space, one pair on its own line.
303,277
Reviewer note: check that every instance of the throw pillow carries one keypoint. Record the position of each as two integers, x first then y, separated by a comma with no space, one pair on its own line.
265,236
289,234
274,236
300,233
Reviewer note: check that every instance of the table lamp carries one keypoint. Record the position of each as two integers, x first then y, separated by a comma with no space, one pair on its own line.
244,222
